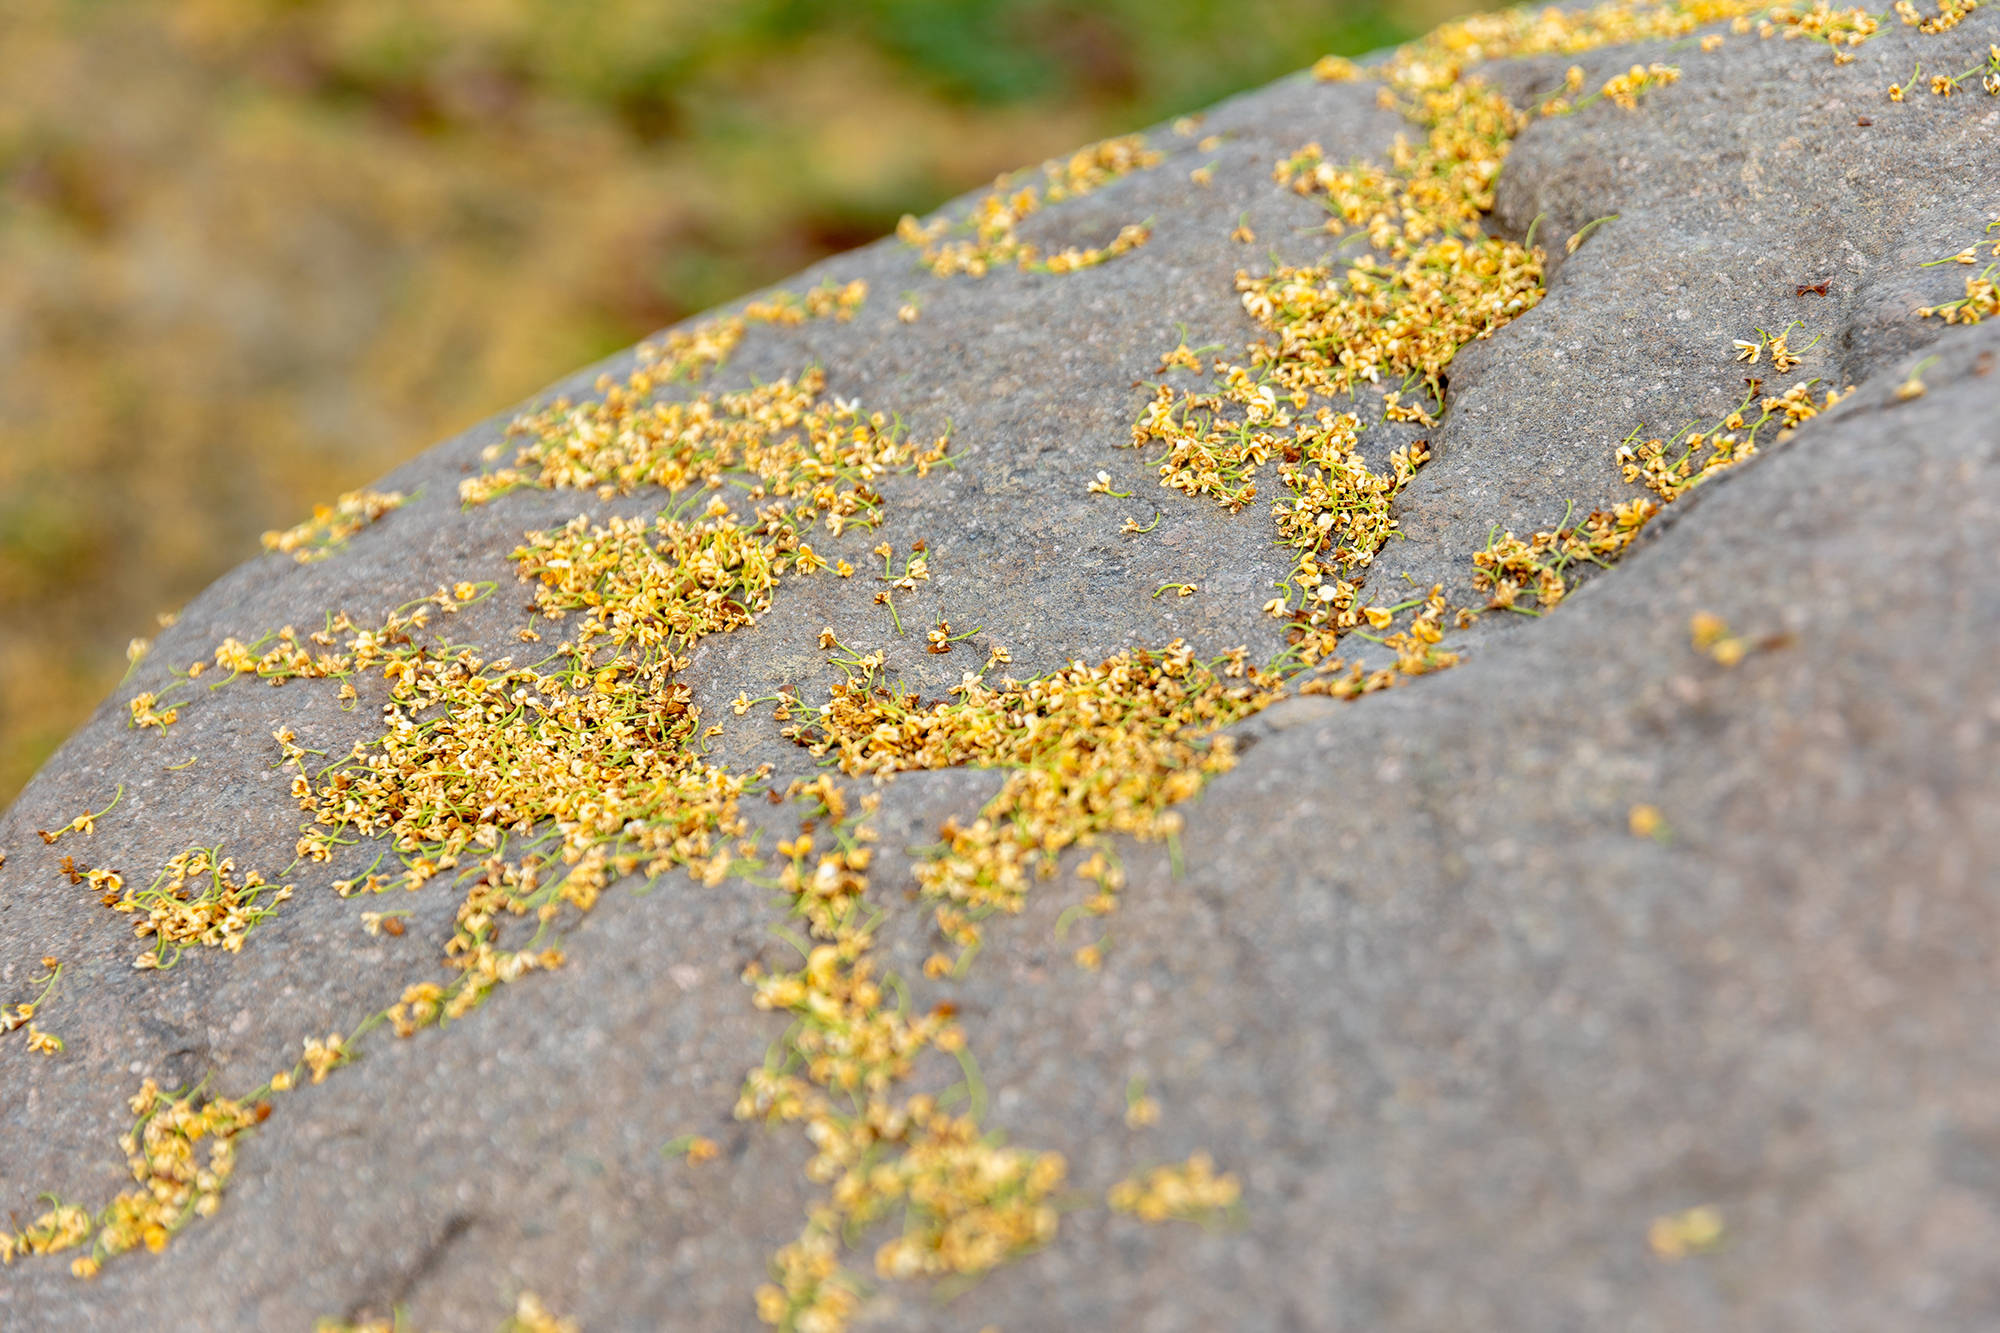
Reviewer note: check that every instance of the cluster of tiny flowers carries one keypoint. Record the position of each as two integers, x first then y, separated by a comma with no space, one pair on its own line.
1431,282
1536,571
1416,644
146,711
21,1015
331,525
1837,27
174,1183
651,588
803,447
995,222
1730,441
1093,750
655,589
691,352
625,438
62,1226
1626,89
1709,634
1547,30
968,1202
1981,301
1337,520
1678,1235
1187,1191
1950,14
196,900
530,791
287,654
1982,290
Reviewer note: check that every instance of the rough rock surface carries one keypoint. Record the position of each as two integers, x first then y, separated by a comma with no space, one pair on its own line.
1459,1032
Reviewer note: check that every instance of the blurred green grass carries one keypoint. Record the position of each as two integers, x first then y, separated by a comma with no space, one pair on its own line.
255,252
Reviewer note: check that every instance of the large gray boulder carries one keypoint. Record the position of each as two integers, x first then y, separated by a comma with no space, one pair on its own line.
1473,1048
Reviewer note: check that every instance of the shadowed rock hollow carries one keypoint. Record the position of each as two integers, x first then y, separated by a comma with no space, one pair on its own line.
1475,1052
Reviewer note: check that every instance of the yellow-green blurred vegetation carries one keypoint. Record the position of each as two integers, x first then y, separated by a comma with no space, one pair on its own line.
255,252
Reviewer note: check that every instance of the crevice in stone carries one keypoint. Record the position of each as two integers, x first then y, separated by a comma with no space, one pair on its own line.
399,1289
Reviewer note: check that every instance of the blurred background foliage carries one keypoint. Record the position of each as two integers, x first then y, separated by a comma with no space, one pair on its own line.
255,252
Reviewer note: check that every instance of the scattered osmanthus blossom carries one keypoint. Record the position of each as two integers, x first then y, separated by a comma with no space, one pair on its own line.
331,525
596,748
995,240
1185,1191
